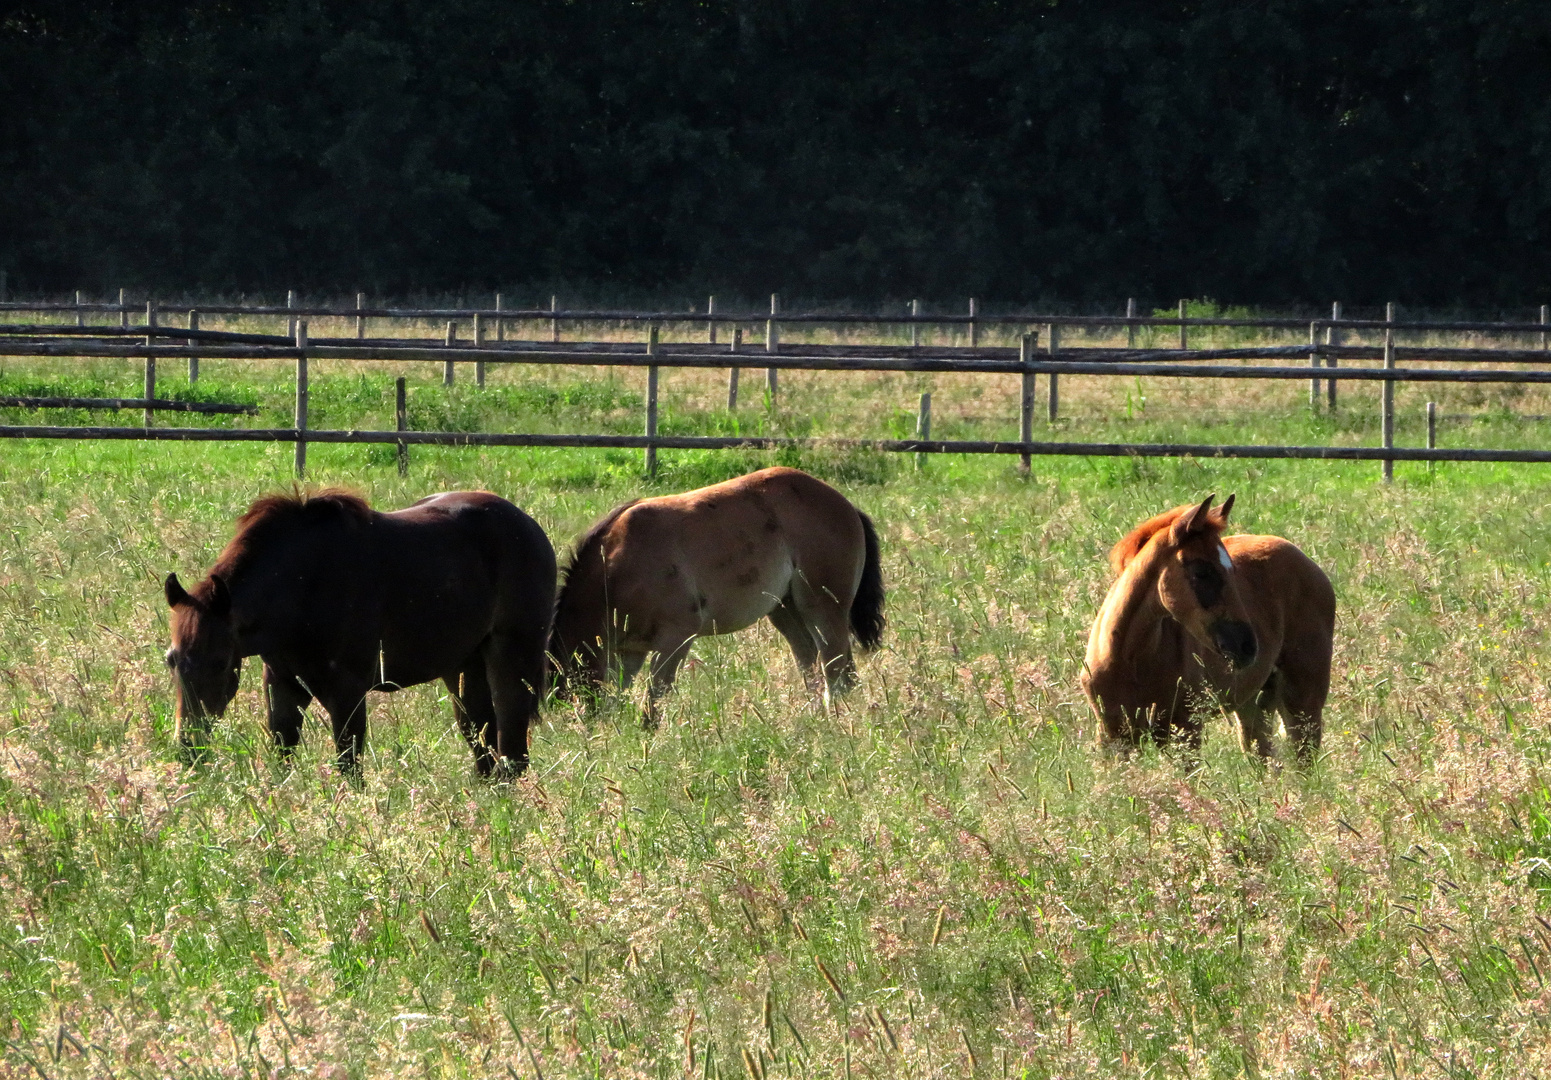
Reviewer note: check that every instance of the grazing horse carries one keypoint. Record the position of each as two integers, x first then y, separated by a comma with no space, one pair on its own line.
654,574
1193,615
339,599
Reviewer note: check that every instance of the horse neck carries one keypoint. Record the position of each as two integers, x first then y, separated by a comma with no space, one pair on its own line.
1133,606
250,572
580,615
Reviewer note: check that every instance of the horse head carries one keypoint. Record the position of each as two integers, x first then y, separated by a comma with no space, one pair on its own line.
1199,587
575,645
204,659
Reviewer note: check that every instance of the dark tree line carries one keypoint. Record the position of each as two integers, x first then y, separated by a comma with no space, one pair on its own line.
858,150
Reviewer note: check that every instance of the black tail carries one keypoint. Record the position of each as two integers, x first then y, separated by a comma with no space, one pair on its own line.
867,608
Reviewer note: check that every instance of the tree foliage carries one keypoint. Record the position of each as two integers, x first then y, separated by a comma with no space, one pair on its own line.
1271,152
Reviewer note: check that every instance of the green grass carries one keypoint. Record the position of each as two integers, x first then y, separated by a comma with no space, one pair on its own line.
972,874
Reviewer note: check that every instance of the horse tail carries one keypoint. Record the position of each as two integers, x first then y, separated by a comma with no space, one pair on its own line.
867,607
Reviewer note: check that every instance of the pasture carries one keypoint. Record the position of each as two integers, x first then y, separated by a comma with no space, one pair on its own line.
946,879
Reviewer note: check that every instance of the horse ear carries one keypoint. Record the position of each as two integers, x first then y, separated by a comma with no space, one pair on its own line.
174,591
1220,515
220,596
1190,520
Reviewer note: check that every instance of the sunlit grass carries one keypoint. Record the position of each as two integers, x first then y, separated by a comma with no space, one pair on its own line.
945,879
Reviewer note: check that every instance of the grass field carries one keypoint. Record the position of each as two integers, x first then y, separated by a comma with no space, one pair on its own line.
946,879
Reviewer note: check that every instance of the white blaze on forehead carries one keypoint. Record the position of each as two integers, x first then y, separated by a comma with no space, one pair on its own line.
1222,557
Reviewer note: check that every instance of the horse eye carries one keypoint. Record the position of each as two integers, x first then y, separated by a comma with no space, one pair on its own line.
171,658
1201,572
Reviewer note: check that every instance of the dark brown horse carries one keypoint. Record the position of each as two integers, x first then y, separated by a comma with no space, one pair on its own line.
339,600
1194,615
655,574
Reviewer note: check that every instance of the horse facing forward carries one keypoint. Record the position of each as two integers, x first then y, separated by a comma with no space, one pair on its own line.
339,599
654,574
1192,614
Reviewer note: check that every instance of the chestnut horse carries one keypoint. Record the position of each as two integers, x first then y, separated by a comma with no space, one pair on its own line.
654,574
1194,615
338,599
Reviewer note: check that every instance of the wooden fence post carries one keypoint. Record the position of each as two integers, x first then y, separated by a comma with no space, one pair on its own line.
479,343
1184,334
150,361
651,403
193,361
1130,326
772,345
401,419
290,325
1545,317
301,398
915,327
360,320
974,327
500,323
1026,399
1314,363
1432,429
1053,383
710,309
923,424
732,373
1387,399
1332,337
80,316
554,323
452,337
123,312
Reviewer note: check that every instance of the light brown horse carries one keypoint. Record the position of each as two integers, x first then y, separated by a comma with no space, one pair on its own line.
653,575
1194,615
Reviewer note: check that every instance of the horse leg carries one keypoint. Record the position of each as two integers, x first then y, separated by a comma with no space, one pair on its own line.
471,703
285,698
1118,730
346,707
1178,724
514,669
1301,699
1254,728
784,617
665,668
1190,729
828,620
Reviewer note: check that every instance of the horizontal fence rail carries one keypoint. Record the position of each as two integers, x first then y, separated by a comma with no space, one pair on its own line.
42,341
1158,363
772,442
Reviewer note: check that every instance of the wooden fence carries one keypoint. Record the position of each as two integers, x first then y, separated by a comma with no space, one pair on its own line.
159,342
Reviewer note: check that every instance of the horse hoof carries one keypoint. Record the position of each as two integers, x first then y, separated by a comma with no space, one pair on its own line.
506,770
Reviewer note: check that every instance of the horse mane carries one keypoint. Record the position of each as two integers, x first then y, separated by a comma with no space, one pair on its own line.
585,545
1133,542
267,512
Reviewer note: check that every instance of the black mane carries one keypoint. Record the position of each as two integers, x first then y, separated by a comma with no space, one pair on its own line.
279,509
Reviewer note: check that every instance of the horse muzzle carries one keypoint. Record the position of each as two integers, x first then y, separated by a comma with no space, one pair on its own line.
1236,641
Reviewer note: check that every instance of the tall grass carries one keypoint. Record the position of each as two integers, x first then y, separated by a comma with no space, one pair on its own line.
944,879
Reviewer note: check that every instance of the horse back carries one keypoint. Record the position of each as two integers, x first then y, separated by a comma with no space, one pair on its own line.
774,512
467,538
1287,588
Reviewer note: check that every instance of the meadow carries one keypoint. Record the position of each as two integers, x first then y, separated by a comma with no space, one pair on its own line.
945,878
